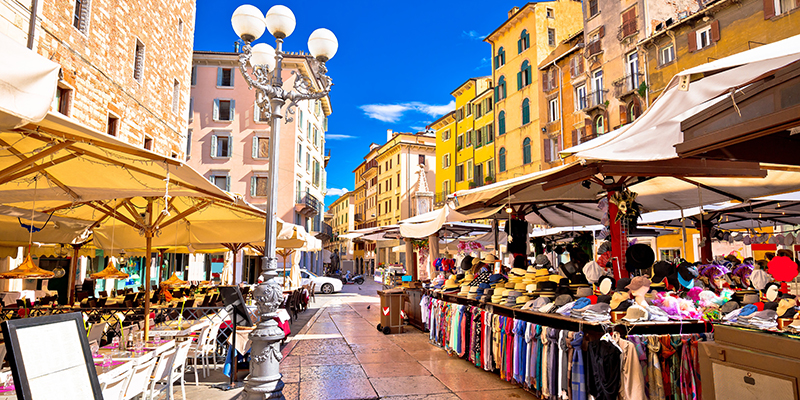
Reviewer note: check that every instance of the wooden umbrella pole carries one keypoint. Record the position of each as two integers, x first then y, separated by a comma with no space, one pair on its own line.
233,268
73,267
149,238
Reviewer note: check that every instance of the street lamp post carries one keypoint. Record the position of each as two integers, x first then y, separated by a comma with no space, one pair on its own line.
264,381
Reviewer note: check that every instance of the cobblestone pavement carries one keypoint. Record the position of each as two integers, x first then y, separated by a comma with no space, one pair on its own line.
339,354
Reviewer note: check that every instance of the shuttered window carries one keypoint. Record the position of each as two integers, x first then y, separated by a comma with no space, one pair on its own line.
225,77
176,96
501,159
524,75
501,123
260,149
526,151
220,146
258,186
500,58
629,22
223,110
526,111
80,18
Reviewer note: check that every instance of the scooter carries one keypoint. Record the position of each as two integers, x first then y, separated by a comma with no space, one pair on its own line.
358,279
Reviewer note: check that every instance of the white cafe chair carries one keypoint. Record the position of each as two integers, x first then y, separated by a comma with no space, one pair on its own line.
113,388
198,351
140,378
162,372
96,331
179,367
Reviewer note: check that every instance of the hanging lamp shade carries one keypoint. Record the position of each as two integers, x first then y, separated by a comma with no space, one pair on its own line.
173,281
109,272
28,270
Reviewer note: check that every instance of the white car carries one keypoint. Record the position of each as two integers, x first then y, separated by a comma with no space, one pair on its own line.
324,284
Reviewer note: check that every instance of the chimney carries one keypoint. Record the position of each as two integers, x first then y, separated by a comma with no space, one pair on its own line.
236,46
389,135
512,11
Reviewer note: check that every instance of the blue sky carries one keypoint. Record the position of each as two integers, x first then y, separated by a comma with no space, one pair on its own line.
397,63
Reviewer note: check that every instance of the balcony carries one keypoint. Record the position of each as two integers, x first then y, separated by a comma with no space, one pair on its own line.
358,217
595,100
628,84
307,205
593,48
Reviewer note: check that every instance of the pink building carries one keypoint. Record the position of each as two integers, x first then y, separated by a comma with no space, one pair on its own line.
228,140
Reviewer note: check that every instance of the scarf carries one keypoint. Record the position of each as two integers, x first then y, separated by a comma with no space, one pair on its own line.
655,380
578,381
687,384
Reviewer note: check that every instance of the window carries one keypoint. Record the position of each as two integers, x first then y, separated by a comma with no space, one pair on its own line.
470,169
551,37
460,173
501,159
500,58
61,100
260,147
138,61
632,66
221,180
259,116
298,191
500,89
524,41
526,151
308,161
176,96
225,77
112,126
580,97
551,150
309,133
220,146
593,9
80,19
550,79
445,188
704,37
191,109
599,125
317,173
501,123
666,54
777,7
576,66
446,135
421,159
180,26
550,13
628,27
300,154
489,133
300,118
489,168
552,110
194,75
526,111
223,110
468,137
459,142
148,143
188,143
524,75
597,80
446,161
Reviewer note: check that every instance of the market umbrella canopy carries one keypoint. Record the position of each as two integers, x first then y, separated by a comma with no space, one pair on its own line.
27,270
29,83
109,272
173,281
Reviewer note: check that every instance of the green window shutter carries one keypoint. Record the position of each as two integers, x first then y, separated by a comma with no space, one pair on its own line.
219,76
213,145
519,46
495,61
519,80
255,147
252,186
496,97
215,112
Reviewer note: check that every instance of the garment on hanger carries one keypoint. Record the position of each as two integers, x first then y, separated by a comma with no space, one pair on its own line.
606,360
632,381
578,377
655,380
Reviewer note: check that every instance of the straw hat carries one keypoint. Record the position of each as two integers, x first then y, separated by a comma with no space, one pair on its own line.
451,282
520,286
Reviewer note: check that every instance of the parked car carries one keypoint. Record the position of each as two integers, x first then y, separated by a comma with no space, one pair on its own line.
324,284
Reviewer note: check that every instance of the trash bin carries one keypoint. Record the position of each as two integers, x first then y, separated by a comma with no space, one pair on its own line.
391,310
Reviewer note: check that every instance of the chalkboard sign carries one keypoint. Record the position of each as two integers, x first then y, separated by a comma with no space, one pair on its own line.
50,358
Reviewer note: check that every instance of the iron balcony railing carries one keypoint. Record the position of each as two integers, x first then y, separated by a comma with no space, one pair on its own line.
595,99
628,84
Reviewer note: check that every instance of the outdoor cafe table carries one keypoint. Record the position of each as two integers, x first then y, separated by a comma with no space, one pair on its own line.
171,328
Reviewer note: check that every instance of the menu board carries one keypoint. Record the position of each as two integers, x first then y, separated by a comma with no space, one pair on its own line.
50,358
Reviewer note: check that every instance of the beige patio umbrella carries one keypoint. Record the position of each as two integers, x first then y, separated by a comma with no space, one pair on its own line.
173,281
27,270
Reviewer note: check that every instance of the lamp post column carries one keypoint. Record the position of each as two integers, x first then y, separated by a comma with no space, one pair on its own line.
264,381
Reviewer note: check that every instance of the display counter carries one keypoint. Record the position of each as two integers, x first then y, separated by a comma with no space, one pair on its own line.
747,364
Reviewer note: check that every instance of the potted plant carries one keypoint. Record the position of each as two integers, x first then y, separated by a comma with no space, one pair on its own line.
472,185
489,179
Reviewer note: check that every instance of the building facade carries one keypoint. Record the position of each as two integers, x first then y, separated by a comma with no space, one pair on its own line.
445,153
125,66
473,159
518,46
562,99
341,221
720,28
230,139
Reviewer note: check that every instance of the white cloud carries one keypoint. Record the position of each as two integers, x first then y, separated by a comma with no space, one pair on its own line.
336,192
336,136
393,112
418,128
473,35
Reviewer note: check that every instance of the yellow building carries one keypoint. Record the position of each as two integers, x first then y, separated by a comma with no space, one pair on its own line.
342,210
445,149
519,45
718,30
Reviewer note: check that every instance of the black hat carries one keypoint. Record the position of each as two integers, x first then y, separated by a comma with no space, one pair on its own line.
579,279
639,256
546,286
563,287
570,269
520,262
661,270
466,263
606,277
687,273
622,283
